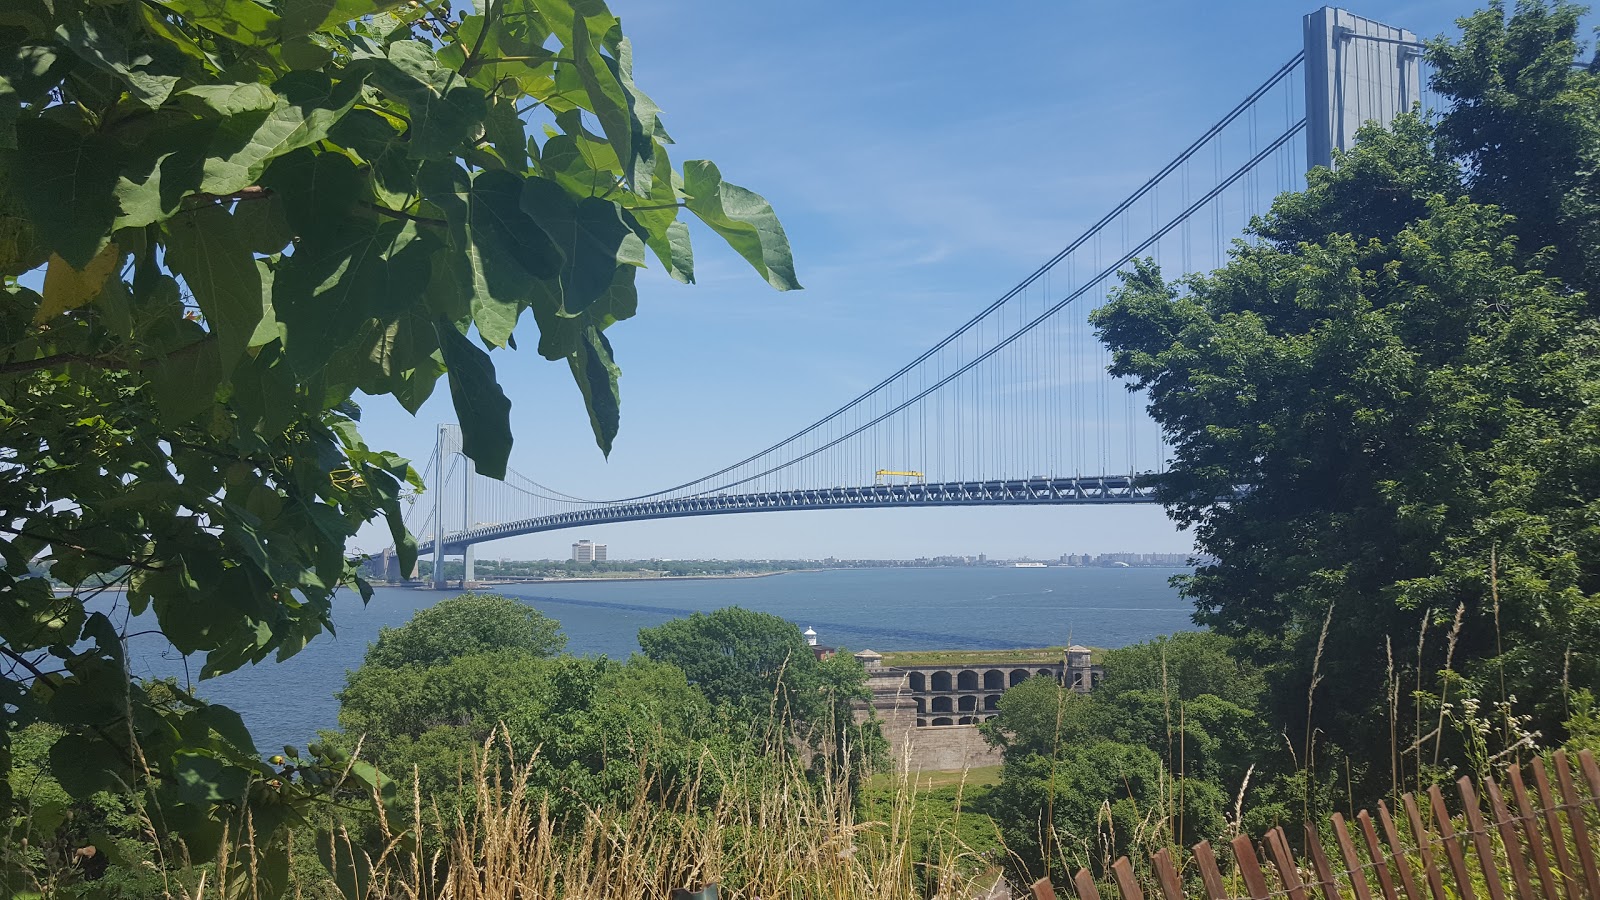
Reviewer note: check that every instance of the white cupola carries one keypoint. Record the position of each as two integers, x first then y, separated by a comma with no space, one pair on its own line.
811,636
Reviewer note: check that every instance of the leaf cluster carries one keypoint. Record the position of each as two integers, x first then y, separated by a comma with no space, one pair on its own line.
1383,408
220,220
432,693
1150,756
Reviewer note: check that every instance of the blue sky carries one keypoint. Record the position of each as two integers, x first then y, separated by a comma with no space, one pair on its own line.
923,158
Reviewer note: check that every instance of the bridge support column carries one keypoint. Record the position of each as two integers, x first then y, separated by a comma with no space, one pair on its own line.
438,511
467,575
1357,71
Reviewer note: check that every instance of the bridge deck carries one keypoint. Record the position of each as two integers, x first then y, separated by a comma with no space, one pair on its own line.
1099,489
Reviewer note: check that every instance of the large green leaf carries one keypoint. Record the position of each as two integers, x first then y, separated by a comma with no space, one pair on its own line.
109,54
186,381
245,22
378,139
212,252
85,765
644,109
161,170
597,373
445,111
500,256
65,179
610,101
503,129
665,233
203,779
303,17
309,103
744,219
481,406
335,290
233,98
594,237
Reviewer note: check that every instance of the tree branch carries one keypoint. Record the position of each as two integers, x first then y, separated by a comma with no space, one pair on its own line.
254,192
525,59
60,542
409,217
23,367
470,64
59,359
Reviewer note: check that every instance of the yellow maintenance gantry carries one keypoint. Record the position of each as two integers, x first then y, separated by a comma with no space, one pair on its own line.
888,473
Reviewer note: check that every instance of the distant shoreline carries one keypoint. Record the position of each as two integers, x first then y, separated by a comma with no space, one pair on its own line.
424,586
648,578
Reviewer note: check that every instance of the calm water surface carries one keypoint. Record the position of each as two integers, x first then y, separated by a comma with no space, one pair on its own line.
880,609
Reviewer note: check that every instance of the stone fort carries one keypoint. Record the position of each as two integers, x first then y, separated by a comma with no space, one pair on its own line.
930,711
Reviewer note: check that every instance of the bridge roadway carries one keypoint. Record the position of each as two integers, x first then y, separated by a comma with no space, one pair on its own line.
1082,490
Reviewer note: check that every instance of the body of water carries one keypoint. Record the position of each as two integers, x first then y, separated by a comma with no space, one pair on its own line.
878,609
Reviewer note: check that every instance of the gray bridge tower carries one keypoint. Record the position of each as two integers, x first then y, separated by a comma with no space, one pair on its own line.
1357,71
450,463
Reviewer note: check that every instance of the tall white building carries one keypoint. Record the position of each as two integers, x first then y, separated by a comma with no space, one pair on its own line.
588,551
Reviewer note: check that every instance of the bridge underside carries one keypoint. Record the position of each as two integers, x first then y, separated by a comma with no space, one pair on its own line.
1083,491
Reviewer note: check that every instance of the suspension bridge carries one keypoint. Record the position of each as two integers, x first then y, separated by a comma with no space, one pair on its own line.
1015,406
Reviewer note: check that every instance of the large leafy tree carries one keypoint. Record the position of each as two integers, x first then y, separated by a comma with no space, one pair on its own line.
431,693
756,664
1526,122
1382,412
244,213
758,669
1088,805
1169,728
463,625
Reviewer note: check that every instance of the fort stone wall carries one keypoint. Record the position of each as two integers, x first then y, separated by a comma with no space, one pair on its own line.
930,713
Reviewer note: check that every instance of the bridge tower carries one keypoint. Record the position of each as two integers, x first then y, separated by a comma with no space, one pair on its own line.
1357,71
448,458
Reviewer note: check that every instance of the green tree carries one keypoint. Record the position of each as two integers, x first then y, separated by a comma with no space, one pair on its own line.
1379,414
1182,667
1201,737
464,625
758,669
1526,122
1091,803
757,664
245,212
587,725
1038,717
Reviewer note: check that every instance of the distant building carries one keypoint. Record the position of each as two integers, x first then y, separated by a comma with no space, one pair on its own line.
819,650
588,551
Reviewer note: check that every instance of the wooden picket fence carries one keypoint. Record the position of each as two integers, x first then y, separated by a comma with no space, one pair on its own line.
1536,847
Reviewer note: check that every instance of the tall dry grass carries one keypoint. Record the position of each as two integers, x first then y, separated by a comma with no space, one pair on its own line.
768,831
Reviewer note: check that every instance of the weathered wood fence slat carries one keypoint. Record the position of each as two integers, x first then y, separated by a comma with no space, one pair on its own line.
1525,845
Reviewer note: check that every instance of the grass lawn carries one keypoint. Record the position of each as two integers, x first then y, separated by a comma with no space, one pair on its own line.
947,815
979,657
983,777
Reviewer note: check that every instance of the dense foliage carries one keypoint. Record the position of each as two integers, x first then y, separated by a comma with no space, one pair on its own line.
467,624
432,693
219,221
1152,756
1384,414
435,691
759,669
